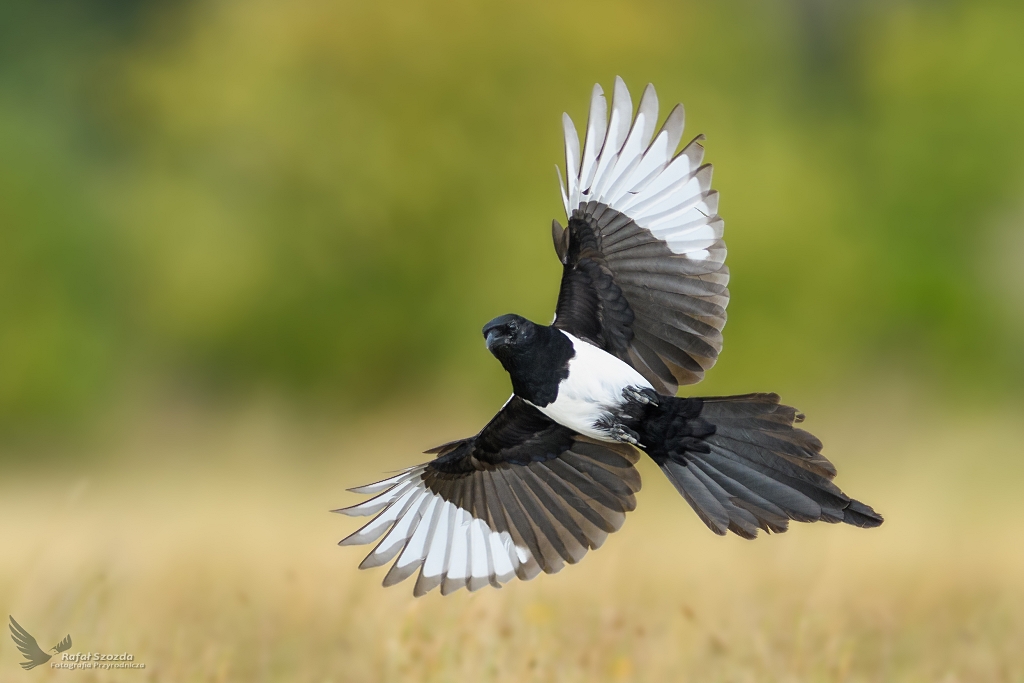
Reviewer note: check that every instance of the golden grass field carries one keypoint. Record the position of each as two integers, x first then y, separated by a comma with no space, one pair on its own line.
204,547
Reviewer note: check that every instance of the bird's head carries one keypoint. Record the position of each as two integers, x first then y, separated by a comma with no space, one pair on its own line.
509,334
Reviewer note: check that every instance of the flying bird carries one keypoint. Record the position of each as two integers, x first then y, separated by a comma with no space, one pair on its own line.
26,643
640,312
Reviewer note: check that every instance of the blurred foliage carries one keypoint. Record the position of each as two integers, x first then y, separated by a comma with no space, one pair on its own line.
330,198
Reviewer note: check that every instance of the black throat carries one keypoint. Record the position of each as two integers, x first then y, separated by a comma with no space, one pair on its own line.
538,367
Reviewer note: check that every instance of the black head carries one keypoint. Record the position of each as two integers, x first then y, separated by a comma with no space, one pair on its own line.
508,334
535,356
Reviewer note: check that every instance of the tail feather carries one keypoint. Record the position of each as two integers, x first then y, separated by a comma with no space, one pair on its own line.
773,503
742,465
859,514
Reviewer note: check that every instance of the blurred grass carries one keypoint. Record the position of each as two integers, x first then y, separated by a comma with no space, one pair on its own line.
204,547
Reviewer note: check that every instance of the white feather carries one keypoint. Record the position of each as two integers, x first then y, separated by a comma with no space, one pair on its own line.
572,161
378,503
622,103
597,127
676,216
479,564
521,552
416,550
437,553
649,108
691,246
653,163
618,128
395,539
561,186
608,155
458,561
673,126
667,187
379,486
629,158
680,194
377,525
696,231
682,165
504,562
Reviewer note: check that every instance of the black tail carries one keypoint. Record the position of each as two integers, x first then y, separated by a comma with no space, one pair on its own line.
742,466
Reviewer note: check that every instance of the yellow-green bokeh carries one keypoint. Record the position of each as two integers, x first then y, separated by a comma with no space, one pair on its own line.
327,199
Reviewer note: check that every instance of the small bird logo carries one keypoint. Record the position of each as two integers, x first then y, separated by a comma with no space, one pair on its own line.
34,656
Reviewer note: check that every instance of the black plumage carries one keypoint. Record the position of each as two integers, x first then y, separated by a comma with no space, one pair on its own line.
639,296
743,466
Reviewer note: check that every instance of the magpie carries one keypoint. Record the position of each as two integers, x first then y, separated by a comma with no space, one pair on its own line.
640,312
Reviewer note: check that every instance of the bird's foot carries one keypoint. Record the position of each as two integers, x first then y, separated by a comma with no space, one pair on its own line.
624,434
642,396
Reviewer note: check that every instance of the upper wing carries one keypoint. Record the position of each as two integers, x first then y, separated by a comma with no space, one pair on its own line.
524,495
27,645
644,262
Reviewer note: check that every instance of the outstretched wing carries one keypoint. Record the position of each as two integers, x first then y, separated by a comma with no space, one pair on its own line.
63,645
644,262
524,495
28,646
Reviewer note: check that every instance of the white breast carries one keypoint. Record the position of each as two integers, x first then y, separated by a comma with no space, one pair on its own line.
592,389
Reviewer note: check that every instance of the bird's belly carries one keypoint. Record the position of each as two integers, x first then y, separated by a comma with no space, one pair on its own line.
593,390
579,414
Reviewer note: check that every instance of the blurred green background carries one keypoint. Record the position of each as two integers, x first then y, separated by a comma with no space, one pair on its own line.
324,201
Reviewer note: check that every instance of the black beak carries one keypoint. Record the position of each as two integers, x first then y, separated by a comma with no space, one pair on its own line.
495,338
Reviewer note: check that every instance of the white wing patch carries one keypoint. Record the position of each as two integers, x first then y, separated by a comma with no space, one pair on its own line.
451,548
622,167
